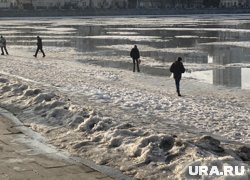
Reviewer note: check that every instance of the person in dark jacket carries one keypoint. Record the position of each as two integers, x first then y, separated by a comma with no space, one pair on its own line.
39,46
135,55
3,45
177,69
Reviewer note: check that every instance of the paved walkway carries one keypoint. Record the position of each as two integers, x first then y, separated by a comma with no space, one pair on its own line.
19,161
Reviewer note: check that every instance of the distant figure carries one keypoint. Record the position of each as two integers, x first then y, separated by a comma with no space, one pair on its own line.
135,55
177,69
3,45
39,46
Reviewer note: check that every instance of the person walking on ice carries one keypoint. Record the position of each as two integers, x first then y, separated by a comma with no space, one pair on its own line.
3,45
39,46
135,55
177,69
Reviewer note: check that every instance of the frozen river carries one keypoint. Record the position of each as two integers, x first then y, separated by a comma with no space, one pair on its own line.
133,122
215,49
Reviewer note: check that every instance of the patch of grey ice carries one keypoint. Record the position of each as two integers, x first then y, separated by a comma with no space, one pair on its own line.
132,38
245,44
122,33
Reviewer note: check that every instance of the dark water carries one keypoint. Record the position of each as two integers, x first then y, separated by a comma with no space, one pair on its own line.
215,49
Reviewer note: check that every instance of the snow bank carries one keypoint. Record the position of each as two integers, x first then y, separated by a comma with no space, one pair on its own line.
136,151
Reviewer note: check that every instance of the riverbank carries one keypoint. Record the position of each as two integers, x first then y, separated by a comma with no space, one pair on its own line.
116,12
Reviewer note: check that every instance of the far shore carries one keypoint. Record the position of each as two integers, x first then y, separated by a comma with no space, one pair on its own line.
115,12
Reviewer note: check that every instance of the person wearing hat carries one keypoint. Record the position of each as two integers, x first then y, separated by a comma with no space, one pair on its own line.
3,45
177,69
39,46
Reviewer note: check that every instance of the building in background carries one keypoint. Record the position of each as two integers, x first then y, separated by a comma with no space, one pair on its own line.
21,4
80,4
60,4
196,4
149,4
167,4
76,4
248,3
26,4
122,4
5,4
234,3
132,4
242,3
109,4
46,4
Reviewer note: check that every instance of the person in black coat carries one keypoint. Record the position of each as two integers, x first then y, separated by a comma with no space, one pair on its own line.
135,55
3,45
177,69
39,46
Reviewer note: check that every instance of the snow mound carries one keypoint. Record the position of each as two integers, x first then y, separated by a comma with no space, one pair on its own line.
210,144
137,151
89,123
32,92
43,97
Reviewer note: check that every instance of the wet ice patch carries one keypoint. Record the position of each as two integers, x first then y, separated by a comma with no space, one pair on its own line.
44,41
204,76
186,37
245,44
180,29
8,32
131,38
145,48
56,32
61,29
122,33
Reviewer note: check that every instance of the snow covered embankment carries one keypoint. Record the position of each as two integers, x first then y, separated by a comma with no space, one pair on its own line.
136,151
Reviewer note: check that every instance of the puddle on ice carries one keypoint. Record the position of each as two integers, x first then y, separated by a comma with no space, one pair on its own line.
233,77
